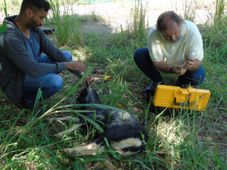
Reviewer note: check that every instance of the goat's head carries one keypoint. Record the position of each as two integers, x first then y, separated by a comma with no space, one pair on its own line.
88,95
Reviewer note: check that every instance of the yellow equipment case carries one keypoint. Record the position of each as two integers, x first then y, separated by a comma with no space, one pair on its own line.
177,97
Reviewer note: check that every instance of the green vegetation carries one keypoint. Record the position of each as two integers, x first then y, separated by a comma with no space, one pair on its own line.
178,140
5,8
3,28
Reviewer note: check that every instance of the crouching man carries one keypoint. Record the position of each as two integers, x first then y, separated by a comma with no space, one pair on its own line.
175,46
28,59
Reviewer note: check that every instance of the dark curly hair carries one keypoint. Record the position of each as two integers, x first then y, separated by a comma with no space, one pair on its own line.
161,25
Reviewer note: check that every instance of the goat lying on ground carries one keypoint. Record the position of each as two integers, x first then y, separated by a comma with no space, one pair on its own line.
121,129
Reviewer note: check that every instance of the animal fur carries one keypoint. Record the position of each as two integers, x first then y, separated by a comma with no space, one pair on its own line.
121,129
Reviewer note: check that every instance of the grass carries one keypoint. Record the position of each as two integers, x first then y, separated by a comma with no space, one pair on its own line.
189,10
5,8
182,140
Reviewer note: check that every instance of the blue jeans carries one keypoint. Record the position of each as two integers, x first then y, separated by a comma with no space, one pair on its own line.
144,62
49,84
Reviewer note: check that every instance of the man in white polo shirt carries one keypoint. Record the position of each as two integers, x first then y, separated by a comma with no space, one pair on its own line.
174,46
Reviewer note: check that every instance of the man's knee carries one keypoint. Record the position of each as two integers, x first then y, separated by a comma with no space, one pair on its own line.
137,55
141,54
193,78
56,83
199,76
68,55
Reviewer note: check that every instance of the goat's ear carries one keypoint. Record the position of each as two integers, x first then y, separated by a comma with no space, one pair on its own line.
89,81
87,84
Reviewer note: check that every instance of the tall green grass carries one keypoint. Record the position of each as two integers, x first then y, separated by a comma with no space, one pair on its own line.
215,44
5,8
190,10
66,27
177,139
138,23
219,11
215,35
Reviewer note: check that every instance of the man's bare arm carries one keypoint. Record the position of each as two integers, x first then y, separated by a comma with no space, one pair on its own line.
164,67
192,65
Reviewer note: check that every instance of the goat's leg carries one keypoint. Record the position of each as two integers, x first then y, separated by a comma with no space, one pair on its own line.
60,120
65,118
68,131
90,149
121,145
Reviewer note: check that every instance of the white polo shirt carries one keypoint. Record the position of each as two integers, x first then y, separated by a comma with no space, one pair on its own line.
189,45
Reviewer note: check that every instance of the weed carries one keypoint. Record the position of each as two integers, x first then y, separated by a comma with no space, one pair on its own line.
66,27
5,8
138,23
219,11
181,140
190,10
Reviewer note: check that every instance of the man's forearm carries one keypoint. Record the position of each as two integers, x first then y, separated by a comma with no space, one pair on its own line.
162,66
192,65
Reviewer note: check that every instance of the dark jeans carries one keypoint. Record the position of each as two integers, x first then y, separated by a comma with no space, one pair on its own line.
143,61
49,84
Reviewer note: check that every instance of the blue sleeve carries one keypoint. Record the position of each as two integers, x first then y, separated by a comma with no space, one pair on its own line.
16,52
50,49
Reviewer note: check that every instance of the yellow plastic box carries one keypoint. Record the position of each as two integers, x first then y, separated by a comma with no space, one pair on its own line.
177,97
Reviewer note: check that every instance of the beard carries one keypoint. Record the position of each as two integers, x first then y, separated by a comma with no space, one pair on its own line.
33,24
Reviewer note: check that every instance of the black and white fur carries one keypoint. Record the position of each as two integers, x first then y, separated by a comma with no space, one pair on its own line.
121,129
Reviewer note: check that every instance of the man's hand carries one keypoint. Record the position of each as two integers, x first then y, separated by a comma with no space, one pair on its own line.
191,65
188,64
179,70
75,65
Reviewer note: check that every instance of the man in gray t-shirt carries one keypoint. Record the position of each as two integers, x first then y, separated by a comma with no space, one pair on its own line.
28,59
